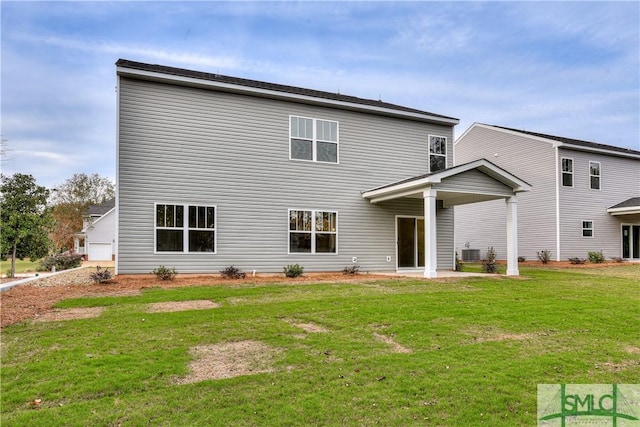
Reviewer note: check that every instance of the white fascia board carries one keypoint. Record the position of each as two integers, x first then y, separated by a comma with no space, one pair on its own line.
598,150
399,190
475,124
629,210
103,216
487,168
124,71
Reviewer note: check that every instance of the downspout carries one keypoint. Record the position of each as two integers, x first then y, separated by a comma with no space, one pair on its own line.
557,204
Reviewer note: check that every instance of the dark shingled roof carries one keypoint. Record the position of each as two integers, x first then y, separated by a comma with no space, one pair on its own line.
629,203
270,86
99,210
577,142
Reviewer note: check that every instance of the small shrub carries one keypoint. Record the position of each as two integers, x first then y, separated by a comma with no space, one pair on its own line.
60,262
232,272
522,259
459,264
101,275
165,273
544,256
618,259
351,270
596,257
577,260
489,262
294,270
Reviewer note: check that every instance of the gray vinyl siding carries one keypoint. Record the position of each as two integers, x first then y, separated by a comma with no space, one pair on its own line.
482,225
474,181
195,146
620,180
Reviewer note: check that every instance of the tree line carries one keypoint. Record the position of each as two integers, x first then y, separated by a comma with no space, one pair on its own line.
36,221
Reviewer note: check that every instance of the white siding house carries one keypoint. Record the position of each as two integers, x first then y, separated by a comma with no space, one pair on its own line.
214,171
97,240
585,196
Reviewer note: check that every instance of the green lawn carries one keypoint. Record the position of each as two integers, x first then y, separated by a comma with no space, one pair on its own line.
393,353
22,265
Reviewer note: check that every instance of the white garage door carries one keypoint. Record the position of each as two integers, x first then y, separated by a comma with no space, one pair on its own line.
99,251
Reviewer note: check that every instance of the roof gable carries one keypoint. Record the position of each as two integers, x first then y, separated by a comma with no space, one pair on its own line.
229,83
564,142
101,209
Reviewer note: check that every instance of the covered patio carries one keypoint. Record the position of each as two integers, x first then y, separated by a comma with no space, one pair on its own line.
471,182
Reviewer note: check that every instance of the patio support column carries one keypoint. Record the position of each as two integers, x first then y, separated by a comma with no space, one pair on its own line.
430,247
512,236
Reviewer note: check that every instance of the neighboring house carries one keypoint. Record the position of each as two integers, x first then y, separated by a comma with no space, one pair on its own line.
214,171
585,195
96,241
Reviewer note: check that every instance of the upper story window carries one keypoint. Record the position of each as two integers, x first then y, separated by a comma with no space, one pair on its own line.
195,233
594,175
313,140
567,172
437,153
313,231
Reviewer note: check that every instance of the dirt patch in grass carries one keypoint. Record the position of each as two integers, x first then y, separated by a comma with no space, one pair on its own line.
617,367
490,334
308,327
166,307
70,314
395,346
228,360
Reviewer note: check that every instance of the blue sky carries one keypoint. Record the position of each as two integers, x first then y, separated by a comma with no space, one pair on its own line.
564,68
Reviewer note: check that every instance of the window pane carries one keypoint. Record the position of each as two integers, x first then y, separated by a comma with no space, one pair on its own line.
201,241
179,216
211,217
438,145
169,215
594,168
193,216
325,243
567,165
301,149
202,216
587,233
301,128
567,180
293,220
595,182
437,163
169,240
300,242
327,152
327,131
160,209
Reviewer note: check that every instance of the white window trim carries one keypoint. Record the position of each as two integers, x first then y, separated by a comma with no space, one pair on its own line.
314,142
599,175
185,229
562,172
593,233
446,148
312,232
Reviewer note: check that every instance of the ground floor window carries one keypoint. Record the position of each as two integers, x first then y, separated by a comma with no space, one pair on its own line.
312,231
587,228
185,228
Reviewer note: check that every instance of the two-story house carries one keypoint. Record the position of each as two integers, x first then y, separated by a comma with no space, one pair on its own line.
214,171
96,240
585,195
